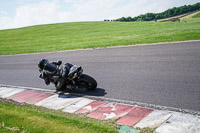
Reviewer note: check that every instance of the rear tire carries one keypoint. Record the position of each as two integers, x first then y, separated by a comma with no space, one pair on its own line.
87,82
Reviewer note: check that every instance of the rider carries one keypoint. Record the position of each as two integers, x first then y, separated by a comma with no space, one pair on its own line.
47,70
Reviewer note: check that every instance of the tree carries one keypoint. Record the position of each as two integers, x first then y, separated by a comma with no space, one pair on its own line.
168,13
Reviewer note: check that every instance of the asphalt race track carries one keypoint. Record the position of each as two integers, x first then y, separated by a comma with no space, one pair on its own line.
162,74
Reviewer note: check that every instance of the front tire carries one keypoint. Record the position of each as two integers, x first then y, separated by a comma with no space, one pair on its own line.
87,82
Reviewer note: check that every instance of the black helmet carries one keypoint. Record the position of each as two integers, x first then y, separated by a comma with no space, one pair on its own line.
42,63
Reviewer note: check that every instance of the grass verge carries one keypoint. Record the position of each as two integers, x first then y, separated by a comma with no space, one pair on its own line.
28,118
67,36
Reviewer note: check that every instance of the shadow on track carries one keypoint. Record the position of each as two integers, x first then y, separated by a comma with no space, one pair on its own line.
96,92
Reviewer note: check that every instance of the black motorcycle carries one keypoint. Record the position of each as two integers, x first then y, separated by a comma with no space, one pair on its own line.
65,76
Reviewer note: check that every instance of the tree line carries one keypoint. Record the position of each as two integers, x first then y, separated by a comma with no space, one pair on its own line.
166,14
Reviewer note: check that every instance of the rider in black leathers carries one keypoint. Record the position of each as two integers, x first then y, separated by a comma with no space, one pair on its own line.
47,70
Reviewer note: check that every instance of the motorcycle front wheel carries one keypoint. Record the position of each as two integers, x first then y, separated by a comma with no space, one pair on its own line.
85,81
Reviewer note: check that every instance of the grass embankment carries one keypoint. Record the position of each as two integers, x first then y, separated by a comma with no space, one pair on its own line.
197,15
181,17
192,17
65,36
27,118
166,19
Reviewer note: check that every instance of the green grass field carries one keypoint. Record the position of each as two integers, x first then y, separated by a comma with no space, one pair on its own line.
28,119
79,35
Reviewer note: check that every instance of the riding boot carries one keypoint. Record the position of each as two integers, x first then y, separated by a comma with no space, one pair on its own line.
47,82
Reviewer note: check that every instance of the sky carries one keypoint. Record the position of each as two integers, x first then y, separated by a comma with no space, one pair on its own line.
22,13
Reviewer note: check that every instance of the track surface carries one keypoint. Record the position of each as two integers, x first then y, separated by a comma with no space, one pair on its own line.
162,74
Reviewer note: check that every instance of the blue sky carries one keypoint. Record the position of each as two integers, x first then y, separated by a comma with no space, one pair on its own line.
21,13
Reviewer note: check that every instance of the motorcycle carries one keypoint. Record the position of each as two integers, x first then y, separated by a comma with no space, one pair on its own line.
67,76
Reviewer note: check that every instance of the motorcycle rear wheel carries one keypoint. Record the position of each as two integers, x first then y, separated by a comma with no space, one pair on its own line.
87,82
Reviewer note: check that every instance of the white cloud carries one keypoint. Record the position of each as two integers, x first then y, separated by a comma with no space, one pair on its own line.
111,9
55,11
3,13
33,14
